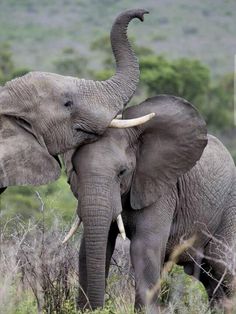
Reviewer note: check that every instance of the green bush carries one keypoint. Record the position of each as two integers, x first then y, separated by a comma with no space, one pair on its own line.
8,70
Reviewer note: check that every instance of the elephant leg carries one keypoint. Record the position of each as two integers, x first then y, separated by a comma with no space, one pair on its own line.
82,301
147,252
211,283
220,255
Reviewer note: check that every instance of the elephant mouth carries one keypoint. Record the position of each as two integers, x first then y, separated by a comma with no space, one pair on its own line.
77,222
87,132
84,136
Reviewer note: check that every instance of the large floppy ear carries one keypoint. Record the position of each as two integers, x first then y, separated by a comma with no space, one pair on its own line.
23,160
169,145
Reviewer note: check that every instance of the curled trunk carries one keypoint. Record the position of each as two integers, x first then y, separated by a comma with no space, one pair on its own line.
126,78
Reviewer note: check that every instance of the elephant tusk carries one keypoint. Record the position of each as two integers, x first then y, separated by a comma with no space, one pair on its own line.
119,116
117,123
73,229
121,226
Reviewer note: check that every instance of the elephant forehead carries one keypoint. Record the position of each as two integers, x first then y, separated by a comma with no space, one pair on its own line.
51,82
111,148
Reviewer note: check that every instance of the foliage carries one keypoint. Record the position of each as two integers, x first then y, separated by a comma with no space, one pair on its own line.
190,79
24,201
6,63
8,70
71,63
184,292
221,103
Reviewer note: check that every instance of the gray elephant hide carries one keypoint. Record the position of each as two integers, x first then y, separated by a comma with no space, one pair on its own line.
23,160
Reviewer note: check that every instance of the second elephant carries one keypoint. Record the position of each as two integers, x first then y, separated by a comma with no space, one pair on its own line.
149,175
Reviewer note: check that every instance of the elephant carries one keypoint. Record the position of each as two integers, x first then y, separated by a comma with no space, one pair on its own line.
157,184
45,114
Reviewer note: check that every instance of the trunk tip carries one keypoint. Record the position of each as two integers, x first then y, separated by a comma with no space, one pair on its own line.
141,14
131,14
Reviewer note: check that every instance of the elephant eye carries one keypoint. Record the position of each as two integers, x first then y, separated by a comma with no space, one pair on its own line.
68,104
122,172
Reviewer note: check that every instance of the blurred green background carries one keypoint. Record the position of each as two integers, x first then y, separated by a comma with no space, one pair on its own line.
185,48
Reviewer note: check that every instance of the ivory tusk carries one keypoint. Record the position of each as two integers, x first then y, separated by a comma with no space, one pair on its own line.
73,229
119,116
117,123
121,226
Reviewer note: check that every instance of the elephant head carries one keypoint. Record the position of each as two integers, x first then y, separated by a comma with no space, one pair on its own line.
44,114
140,164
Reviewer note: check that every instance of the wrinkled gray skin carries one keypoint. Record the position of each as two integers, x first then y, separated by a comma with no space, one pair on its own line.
148,174
44,114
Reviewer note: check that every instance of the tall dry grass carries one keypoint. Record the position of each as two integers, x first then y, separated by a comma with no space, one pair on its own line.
40,275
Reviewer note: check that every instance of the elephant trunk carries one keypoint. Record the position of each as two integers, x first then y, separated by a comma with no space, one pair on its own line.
126,78
96,215
96,235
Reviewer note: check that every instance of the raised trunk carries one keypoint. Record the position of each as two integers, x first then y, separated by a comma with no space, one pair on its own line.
124,82
107,98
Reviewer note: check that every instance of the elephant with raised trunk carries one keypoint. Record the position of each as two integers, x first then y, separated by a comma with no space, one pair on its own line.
44,114
155,184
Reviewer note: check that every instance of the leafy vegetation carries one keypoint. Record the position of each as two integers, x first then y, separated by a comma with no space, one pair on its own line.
71,63
7,67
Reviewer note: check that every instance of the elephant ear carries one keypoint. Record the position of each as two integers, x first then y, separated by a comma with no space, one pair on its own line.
169,145
23,160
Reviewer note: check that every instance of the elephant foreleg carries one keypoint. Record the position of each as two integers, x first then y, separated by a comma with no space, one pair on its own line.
148,246
146,260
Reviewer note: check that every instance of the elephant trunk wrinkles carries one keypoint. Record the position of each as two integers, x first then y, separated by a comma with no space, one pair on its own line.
96,216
